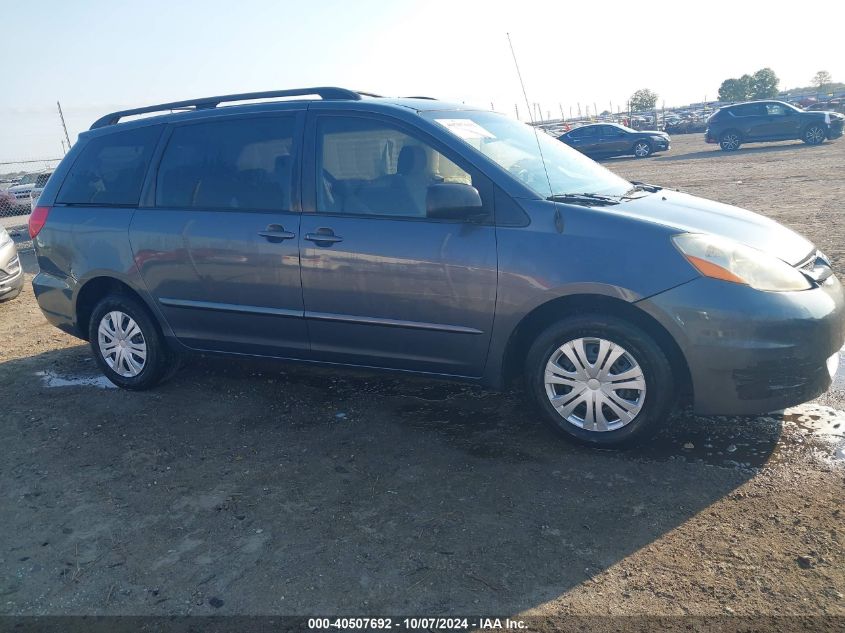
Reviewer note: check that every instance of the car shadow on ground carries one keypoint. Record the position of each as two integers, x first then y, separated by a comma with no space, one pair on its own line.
712,151
287,489
742,151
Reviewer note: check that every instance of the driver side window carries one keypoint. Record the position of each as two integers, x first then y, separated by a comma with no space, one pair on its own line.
775,109
367,167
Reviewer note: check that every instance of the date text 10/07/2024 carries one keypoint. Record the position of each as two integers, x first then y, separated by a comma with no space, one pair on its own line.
422,623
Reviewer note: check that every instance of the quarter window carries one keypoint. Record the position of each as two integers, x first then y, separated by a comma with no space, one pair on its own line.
234,164
111,169
371,168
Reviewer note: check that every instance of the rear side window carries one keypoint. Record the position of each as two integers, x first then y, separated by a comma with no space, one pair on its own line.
111,168
588,131
749,109
235,164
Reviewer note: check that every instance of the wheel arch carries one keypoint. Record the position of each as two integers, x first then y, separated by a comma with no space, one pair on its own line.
94,289
547,313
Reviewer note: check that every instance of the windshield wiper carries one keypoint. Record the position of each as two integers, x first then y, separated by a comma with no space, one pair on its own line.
641,186
585,199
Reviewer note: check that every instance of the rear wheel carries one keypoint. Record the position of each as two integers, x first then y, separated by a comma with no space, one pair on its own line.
642,149
600,381
814,135
730,141
127,345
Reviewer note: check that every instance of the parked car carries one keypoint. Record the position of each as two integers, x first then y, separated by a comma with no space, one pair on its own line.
23,189
38,187
610,139
419,236
762,121
11,271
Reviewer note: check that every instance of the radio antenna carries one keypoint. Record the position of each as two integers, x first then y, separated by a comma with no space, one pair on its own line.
519,75
558,220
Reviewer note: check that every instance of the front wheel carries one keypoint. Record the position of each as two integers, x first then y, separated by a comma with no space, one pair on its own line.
600,380
814,135
127,345
642,149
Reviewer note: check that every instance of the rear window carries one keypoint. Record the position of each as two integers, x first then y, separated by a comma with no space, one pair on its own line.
111,168
236,164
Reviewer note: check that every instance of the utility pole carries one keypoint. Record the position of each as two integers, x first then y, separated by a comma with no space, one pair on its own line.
516,109
64,127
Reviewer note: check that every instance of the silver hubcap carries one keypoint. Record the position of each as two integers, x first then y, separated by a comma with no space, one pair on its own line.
122,344
731,141
595,384
815,135
641,149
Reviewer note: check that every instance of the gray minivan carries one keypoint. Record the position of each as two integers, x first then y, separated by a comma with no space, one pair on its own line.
420,236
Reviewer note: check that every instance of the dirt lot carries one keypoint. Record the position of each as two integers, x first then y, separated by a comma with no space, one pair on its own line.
250,488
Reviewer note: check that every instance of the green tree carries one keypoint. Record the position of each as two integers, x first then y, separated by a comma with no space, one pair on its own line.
764,84
821,79
761,85
643,99
732,90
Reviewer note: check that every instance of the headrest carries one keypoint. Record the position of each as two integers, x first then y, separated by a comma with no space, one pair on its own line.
412,159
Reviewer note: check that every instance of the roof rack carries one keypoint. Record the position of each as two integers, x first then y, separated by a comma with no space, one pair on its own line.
328,93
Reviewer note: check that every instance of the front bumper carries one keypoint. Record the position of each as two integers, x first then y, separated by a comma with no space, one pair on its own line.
750,351
11,272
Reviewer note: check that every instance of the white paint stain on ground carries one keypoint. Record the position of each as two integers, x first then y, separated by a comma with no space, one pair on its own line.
823,427
52,379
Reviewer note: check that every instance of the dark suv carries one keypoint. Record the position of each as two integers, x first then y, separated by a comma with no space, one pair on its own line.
758,121
420,236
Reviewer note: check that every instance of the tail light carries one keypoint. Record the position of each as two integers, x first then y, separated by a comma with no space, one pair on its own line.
37,220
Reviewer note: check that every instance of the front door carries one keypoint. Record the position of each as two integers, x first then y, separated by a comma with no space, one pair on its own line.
383,284
615,141
218,250
780,122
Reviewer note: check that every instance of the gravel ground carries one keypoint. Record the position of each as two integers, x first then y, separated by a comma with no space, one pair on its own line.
255,488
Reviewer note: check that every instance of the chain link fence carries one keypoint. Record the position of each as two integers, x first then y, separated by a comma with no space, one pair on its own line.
21,182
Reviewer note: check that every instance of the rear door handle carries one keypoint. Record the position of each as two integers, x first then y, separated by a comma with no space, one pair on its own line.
323,237
276,233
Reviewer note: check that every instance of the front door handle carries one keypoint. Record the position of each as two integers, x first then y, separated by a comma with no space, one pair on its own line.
323,237
276,233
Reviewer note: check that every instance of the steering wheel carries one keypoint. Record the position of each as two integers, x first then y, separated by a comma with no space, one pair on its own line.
527,172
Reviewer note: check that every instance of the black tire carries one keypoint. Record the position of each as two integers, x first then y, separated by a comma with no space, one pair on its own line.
658,397
642,149
730,141
814,134
159,361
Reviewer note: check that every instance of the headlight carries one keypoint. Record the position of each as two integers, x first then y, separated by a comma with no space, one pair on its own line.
727,260
4,236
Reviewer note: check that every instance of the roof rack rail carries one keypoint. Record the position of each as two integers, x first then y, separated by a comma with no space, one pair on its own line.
325,92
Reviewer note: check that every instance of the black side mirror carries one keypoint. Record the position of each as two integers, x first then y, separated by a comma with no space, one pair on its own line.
454,201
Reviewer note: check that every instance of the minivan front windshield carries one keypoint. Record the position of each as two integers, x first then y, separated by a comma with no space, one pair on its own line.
549,167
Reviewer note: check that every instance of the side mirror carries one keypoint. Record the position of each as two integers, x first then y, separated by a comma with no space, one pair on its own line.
453,201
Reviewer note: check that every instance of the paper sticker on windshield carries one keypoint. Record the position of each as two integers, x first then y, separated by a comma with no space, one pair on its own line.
465,128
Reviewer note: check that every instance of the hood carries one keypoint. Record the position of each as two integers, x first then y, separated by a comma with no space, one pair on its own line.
16,188
652,133
697,215
824,114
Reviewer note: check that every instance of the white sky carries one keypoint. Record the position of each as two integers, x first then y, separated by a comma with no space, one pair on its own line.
102,55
